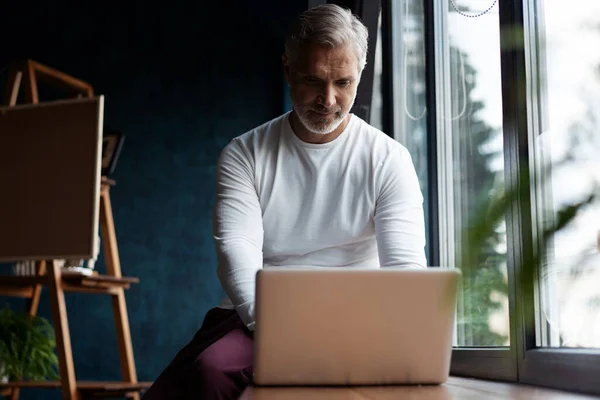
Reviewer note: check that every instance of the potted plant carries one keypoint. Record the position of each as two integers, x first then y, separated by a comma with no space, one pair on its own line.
26,347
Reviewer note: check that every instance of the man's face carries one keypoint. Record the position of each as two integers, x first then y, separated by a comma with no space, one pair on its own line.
323,84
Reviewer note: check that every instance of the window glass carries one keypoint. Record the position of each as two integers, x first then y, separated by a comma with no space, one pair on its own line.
470,151
564,110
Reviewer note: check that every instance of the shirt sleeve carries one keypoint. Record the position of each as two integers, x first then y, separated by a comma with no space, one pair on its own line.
399,218
238,229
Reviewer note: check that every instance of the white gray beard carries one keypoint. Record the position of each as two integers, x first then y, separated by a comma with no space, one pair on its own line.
317,128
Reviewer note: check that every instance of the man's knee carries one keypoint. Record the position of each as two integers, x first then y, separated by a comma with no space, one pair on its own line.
204,377
208,370
213,380
224,369
220,371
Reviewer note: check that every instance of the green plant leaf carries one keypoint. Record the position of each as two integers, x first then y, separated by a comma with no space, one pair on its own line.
27,346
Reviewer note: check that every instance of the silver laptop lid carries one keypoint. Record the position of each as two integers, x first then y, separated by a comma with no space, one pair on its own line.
339,326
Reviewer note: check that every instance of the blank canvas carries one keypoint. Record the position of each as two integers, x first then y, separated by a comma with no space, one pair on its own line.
50,178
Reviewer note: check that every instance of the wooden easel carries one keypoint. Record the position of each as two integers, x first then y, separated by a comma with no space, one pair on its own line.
49,273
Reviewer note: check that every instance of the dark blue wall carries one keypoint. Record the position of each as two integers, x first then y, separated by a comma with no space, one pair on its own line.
180,79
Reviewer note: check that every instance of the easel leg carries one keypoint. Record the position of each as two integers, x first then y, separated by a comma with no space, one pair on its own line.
15,394
31,89
113,267
31,308
61,329
13,83
34,302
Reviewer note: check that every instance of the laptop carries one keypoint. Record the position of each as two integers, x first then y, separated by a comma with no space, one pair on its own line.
354,326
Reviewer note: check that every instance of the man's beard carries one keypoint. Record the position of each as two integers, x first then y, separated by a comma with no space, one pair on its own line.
309,117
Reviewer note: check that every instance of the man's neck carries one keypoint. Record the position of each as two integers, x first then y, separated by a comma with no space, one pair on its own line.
315,138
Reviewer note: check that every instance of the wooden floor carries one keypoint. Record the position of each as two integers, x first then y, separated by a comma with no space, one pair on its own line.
455,388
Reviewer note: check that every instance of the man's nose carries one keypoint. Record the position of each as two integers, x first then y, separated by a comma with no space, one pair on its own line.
327,97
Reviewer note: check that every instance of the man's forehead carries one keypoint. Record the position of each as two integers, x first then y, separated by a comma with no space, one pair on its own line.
315,58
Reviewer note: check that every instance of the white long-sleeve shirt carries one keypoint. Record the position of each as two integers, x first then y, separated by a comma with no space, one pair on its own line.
352,202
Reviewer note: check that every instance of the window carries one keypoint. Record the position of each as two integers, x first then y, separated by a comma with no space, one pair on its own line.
565,126
408,107
470,152
406,120
487,94
376,117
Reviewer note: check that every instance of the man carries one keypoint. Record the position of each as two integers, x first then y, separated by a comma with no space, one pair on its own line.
314,187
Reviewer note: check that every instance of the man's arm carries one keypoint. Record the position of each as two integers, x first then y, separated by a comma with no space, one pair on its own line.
399,220
238,230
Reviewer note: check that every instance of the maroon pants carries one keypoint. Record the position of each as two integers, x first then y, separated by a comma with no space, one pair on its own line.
216,364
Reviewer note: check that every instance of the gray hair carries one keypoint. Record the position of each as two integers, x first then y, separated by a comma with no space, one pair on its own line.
328,24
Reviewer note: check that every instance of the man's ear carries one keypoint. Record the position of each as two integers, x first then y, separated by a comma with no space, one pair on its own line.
286,68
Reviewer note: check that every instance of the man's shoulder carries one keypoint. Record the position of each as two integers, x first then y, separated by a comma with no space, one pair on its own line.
375,140
246,146
262,133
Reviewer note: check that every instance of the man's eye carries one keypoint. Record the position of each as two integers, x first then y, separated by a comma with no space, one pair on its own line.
310,80
343,83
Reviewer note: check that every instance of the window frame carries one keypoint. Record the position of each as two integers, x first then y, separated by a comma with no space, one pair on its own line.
431,102
392,96
560,368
